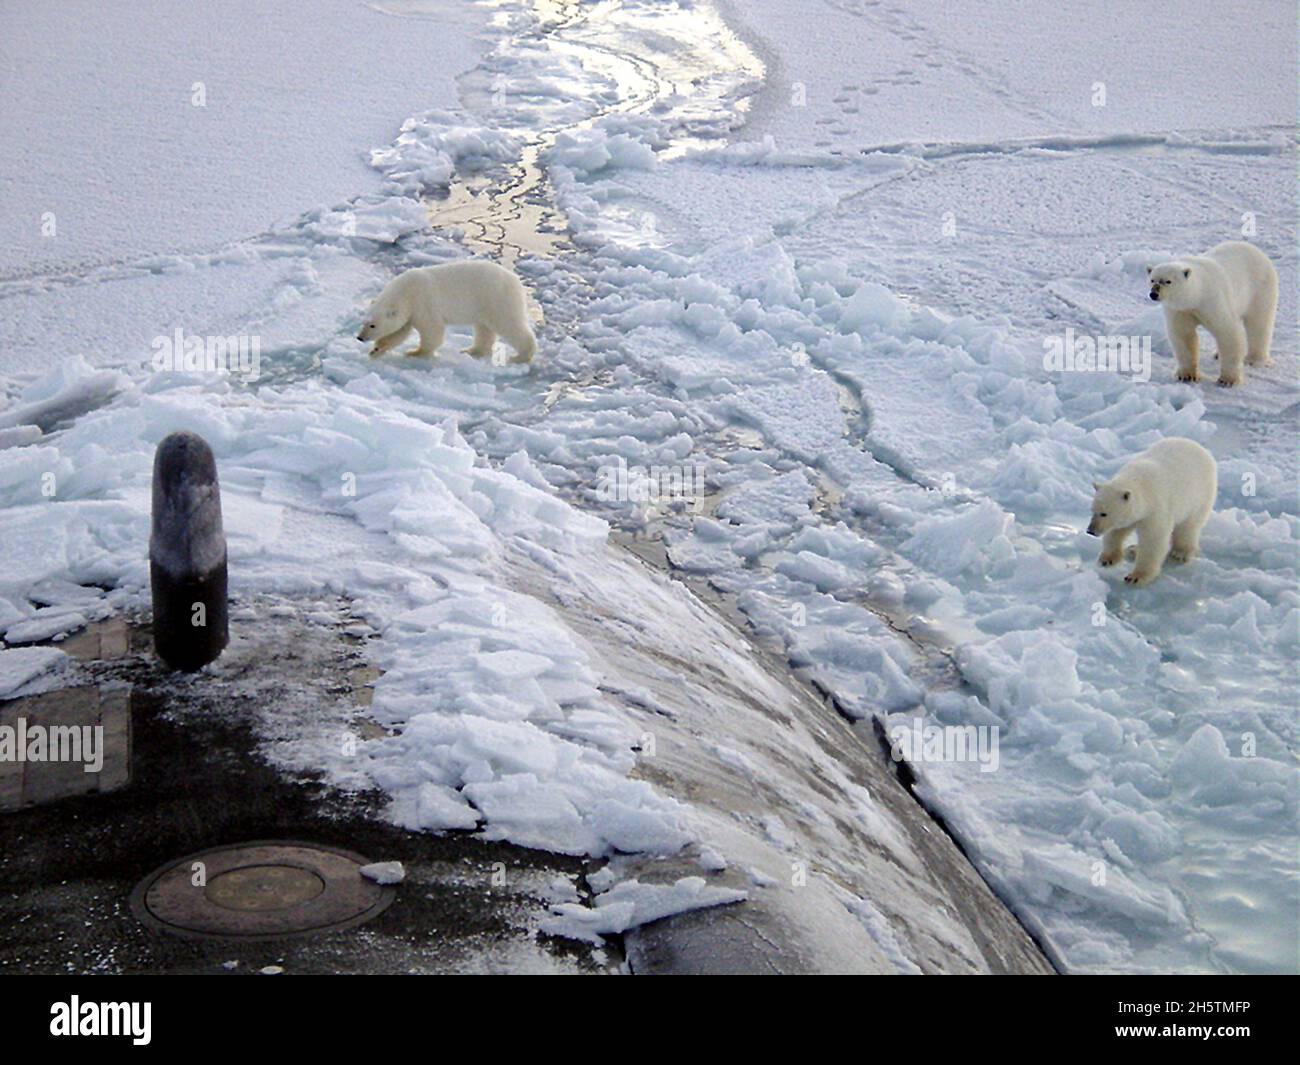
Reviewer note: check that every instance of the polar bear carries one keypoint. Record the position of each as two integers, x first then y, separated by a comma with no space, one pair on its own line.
1164,494
429,298
1232,291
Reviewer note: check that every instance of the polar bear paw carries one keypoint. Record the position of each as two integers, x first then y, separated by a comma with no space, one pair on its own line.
1111,558
1138,577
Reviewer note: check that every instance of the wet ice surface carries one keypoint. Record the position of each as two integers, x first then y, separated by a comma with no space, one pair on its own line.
570,82
838,310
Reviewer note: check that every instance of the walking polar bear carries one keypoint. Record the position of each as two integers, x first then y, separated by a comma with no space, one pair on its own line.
427,299
1165,495
1232,291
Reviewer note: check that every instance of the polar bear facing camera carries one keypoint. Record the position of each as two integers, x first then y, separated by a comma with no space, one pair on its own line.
1165,495
427,299
1232,291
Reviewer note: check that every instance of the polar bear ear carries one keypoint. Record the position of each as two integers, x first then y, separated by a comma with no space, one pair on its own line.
1149,271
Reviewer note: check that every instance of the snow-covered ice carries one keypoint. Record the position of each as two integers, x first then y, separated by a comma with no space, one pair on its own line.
27,670
630,904
820,272
384,872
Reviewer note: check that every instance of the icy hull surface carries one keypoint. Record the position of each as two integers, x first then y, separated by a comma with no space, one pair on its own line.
794,810
212,759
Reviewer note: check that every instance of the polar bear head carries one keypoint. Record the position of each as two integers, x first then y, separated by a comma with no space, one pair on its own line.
1175,284
384,318
1115,506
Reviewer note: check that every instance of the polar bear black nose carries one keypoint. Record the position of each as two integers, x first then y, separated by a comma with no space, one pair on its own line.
1155,295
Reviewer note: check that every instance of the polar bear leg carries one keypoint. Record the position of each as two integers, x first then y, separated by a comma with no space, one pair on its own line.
1181,327
1259,325
391,341
484,338
524,343
1187,536
1153,547
1231,338
431,330
1112,546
